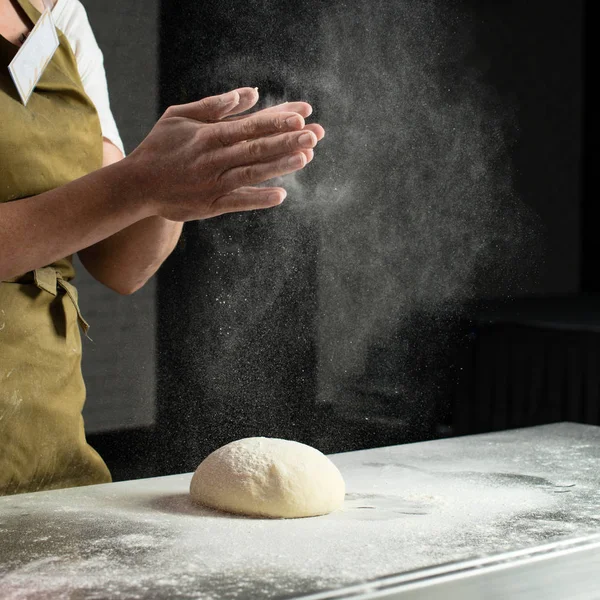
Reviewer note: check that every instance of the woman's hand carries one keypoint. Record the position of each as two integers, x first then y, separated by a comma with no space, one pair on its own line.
198,162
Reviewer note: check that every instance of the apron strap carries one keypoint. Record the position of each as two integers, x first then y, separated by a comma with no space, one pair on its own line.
71,291
47,279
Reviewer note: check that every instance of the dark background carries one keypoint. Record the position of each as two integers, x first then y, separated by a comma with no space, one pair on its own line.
521,361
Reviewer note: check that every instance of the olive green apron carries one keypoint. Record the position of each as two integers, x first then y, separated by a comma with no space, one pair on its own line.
55,139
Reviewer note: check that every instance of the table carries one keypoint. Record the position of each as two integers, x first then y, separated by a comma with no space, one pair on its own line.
509,514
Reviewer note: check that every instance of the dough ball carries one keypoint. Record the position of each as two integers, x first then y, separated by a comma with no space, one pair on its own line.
268,477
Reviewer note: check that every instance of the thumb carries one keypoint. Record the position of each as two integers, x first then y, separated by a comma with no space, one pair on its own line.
208,109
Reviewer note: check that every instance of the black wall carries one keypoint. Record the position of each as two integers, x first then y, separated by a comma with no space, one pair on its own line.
529,53
532,55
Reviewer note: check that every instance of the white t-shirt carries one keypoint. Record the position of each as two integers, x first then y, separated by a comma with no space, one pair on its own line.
70,18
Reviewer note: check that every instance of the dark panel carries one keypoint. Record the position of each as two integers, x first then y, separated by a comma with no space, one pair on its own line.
590,274
531,53
529,363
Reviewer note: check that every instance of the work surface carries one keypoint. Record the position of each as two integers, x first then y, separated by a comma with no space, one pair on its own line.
407,507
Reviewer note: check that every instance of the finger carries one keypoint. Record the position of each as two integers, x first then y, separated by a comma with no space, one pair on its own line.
212,108
248,98
249,198
259,172
264,149
319,132
316,129
231,132
309,154
302,108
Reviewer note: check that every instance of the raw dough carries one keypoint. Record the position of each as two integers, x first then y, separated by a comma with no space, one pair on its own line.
268,477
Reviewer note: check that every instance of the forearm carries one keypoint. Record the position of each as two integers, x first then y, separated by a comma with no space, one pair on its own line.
127,259
39,230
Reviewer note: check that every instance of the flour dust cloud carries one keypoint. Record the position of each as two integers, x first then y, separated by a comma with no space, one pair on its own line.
406,215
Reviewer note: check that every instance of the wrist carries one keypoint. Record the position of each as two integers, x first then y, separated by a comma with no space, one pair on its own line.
133,188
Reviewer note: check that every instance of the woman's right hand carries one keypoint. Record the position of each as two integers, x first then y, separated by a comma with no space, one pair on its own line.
198,162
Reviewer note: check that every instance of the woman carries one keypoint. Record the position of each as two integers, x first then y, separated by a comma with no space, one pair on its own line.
66,188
